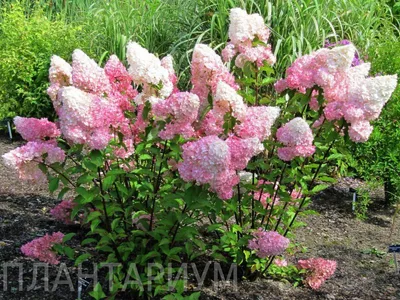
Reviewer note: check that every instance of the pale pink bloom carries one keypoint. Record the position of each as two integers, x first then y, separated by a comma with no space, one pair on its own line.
146,69
297,136
60,74
289,153
280,262
243,30
319,122
300,75
244,27
127,151
216,162
226,99
257,122
313,104
87,75
319,270
280,85
346,88
181,109
267,243
25,159
360,131
62,211
41,248
168,63
242,150
208,160
86,118
333,111
296,194
372,93
228,52
32,129
212,124
121,83
257,54
207,71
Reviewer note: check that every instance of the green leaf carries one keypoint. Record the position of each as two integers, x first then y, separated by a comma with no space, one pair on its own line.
93,215
96,157
88,241
81,258
319,188
68,236
85,178
69,252
97,292
53,184
213,227
62,193
108,181
87,195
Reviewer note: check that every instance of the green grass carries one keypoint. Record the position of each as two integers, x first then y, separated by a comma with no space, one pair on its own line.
174,26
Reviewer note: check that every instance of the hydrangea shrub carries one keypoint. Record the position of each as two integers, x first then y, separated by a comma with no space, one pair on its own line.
151,165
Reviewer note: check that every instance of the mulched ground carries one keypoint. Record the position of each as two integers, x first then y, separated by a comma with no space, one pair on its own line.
365,270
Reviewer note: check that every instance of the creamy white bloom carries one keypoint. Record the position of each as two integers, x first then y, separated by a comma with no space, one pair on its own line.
226,99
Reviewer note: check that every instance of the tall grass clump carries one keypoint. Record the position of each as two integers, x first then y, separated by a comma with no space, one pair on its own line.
298,27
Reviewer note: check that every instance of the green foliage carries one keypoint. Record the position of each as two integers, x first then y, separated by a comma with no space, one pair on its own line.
27,41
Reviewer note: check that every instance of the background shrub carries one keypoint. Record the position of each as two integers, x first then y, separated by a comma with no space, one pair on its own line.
27,41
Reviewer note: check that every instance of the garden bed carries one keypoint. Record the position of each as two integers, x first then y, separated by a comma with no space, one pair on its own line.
365,270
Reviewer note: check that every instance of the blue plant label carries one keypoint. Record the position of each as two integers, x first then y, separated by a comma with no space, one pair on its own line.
394,248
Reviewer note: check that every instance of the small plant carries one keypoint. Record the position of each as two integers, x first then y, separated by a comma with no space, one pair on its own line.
375,252
362,202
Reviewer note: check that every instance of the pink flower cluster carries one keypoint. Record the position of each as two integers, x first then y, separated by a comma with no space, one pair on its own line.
181,108
147,70
252,122
297,137
280,262
215,161
121,83
60,74
257,122
90,100
267,243
25,159
62,211
207,71
349,92
319,270
40,248
32,129
244,29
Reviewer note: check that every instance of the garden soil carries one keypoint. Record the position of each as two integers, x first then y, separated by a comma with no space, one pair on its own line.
365,269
